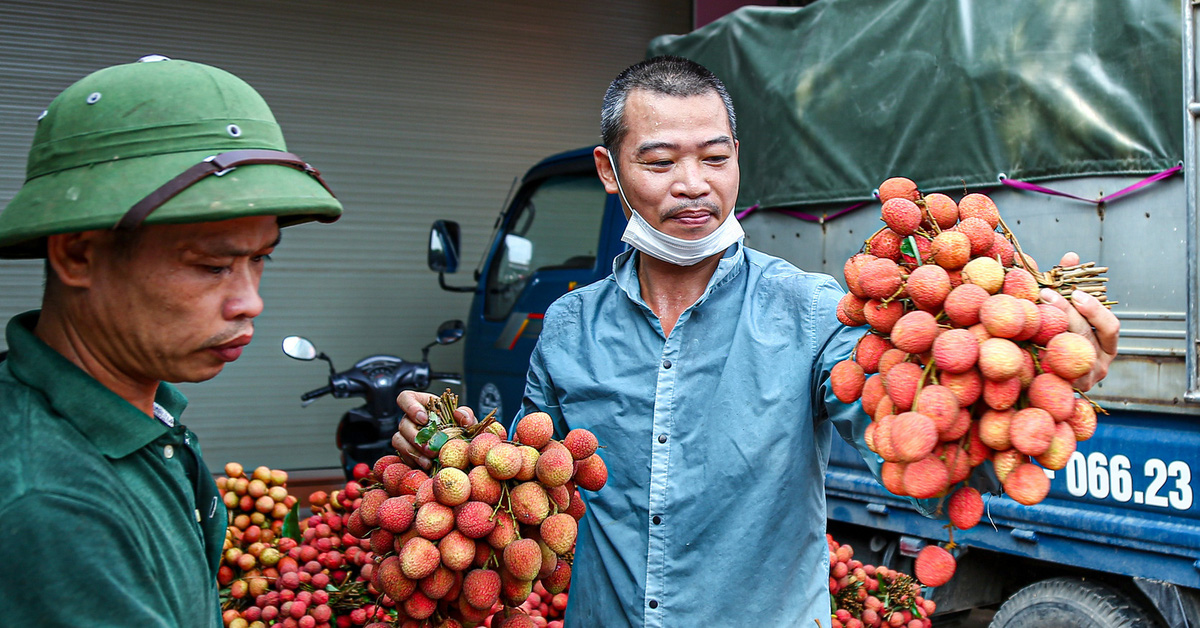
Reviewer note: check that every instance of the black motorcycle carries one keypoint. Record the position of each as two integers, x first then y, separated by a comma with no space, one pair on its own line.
364,434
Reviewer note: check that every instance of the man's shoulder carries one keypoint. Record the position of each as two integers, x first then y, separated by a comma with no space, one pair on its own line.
42,451
782,274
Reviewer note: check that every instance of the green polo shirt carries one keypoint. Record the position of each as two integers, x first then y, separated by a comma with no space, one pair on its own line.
108,517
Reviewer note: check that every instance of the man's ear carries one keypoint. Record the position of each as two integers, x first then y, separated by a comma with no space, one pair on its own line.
604,169
72,257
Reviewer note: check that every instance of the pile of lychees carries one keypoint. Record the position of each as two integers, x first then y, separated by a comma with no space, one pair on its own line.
495,518
257,506
962,363
868,596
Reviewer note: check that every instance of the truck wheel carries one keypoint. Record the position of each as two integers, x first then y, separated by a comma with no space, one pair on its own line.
1070,603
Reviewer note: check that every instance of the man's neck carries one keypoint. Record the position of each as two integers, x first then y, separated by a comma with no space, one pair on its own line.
669,289
61,333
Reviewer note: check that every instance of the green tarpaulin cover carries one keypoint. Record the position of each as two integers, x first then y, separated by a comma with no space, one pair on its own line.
835,97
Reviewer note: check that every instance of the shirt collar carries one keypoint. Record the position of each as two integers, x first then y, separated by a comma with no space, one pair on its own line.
112,424
625,272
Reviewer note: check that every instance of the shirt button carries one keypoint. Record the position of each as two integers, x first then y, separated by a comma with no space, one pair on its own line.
657,520
666,364
653,603
169,451
662,438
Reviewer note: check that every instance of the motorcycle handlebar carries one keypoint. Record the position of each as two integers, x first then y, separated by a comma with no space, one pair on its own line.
313,394
436,375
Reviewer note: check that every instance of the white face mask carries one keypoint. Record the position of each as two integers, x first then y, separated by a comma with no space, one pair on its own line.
642,236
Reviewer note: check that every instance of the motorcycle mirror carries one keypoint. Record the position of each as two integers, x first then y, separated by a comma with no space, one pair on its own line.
443,246
450,332
299,348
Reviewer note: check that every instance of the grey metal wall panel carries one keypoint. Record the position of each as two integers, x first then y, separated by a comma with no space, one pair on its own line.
412,111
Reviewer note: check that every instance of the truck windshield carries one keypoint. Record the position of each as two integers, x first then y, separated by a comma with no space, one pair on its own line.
557,227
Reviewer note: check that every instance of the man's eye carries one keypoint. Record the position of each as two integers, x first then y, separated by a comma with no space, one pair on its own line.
258,259
216,270
719,159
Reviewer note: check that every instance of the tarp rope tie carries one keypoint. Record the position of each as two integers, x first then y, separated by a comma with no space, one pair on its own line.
1031,187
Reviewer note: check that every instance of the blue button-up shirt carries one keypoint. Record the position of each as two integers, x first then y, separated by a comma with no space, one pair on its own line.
716,441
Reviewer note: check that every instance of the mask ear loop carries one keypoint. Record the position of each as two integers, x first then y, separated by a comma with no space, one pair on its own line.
617,178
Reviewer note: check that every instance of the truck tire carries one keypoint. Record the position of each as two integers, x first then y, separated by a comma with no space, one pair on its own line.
1070,603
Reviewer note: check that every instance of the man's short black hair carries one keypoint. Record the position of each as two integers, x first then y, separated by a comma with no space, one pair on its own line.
667,75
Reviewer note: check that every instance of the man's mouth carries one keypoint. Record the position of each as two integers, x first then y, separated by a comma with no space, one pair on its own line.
232,350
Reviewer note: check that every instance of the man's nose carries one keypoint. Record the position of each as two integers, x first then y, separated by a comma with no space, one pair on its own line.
692,181
244,300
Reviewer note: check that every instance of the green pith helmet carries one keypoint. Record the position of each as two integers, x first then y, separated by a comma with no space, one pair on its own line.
137,136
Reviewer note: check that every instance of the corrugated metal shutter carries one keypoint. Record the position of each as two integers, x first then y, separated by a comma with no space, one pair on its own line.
412,111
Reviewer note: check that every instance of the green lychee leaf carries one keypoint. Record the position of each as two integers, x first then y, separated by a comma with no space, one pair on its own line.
425,434
331,588
438,440
291,523
908,246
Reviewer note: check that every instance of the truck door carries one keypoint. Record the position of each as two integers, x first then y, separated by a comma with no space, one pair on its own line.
550,242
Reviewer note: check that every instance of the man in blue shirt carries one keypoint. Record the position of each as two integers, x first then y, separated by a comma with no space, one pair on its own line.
703,367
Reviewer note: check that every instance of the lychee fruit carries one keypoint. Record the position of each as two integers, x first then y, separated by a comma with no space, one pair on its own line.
850,310
396,514
995,428
982,236
457,551
473,519
898,187
1031,431
481,588
922,251
369,508
885,245
1002,250
1069,355
1019,283
581,443
1053,322
418,558
454,453
1003,394
880,278
963,303
434,520
882,316
558,532
1061,447
535,429
901,215
939,404
847,379
925,478
503,461
1027,484
484,487
523,558
1054,395
872,392
1083,421
913,436
979,206
942,209
950,249
555,466
955,351
928,287
530,504
890,358
934,566
868,351
590,473
984,272
480,446
892,476
967,386
999,359
901,384
451,486
392,476
965,508
915,332
852,270
1004,461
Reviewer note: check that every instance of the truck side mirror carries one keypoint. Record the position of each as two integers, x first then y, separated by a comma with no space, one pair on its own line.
443,246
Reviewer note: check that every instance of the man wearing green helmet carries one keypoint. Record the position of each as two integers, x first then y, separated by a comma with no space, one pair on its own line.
155,192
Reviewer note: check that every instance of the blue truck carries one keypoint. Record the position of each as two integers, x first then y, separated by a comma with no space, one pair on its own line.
1117,541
